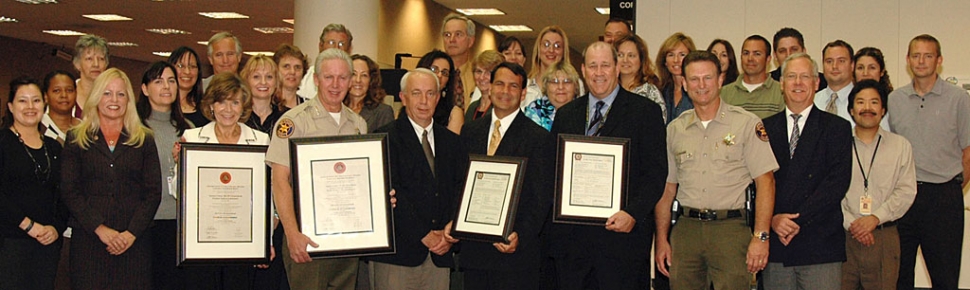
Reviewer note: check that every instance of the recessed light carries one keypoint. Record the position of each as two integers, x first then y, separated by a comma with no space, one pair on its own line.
64,32
204,42
223,15
480,11
271,30
107,17
290,21
603,10
162,53
167,31
123,44
4,19
255,53
510,28
38,1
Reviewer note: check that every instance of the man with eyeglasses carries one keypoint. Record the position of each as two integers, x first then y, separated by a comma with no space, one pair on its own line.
755,91
813,149
225,53
458,35
334,35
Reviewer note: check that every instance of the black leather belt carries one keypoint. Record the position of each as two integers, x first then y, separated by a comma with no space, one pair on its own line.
712,215
886,225
958,180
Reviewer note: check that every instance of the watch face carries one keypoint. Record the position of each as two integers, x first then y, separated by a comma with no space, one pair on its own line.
763,236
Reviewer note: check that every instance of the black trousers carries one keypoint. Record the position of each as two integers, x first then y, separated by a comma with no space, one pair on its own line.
501,280
26,264
935,222
165,275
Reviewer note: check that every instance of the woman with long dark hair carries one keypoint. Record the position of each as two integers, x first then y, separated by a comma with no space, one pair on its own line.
448,113
186,62
366,96
729,62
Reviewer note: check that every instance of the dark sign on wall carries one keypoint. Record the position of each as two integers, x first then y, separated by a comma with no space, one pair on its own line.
624,9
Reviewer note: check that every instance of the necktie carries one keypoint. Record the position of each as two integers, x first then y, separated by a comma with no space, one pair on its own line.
428,154
496,138
830,107
795,132
596,123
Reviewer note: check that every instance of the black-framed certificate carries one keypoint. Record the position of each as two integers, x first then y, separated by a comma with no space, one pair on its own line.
223,205
340,188
490,197
591,178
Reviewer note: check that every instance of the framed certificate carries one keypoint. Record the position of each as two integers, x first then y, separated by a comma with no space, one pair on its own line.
223,205
487,209
591,179
340,188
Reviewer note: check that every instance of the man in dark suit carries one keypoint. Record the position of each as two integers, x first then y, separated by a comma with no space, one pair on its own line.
615,255
813,150
508,132
427,164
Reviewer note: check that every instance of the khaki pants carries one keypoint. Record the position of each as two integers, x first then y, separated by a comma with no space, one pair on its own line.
323,274
426,276
872,267
706,252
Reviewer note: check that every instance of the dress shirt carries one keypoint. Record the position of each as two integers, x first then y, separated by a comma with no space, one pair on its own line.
420,131
892,178
506,123
608,100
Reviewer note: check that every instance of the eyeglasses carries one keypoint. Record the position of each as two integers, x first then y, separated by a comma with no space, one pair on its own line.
556,46
456,34
442,72
479,72
185,66
338,44
803,77
562,81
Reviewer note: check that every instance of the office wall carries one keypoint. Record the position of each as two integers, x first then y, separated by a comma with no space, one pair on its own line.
414,26
885,24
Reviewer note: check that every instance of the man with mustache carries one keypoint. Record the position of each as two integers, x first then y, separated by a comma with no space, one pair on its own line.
882,189
754,91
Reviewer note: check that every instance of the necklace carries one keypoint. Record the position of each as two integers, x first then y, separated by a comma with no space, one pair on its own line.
42,174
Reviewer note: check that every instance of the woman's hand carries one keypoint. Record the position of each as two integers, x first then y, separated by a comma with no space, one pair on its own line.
46,235
109,237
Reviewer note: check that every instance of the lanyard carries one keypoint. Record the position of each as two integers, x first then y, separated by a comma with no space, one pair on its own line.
865,182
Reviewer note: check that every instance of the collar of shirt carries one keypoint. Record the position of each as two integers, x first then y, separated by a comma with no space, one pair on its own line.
418,130
842,103
606,108
720,116
506,123
801,120
247,135
910,89
859,141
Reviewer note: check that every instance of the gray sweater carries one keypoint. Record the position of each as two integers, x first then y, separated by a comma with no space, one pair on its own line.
165,137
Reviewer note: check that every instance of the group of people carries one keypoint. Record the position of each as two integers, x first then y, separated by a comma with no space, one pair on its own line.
91,161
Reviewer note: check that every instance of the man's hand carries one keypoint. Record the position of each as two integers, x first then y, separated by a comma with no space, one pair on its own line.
393,199
447,233
785,227
44,234
663,255
866,239
510,247
757,255
864,225
296,242
620,222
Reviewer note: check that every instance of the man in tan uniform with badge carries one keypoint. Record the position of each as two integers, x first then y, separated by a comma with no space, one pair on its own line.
325,116
713,152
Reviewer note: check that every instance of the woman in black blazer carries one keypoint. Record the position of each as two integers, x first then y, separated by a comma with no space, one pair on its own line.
110,184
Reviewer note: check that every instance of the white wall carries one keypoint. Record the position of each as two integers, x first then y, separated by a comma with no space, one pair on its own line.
885,24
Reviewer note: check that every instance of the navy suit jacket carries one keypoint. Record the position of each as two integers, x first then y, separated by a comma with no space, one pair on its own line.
425,201
524,138
630,116
812,184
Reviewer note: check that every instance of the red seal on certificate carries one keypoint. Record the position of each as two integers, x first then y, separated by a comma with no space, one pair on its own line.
339,168
578,156
225,177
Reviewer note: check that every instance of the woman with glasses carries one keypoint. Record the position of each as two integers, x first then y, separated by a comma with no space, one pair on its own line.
481,103
448,113
186,63
636,71
31,217
90,59
560,86
552,46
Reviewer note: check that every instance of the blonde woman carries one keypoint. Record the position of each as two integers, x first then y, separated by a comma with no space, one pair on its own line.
110,184
263,79
552,46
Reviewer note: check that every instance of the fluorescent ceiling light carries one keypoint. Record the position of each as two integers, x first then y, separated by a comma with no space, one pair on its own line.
38,1
167,31
510,28
290,21
107,17
4,19
603,10
64,32
480,11
204,42
122,44
271,30
162,53
223,15
254,53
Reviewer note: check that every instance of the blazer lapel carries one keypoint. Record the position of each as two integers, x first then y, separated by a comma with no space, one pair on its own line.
615,114
809,135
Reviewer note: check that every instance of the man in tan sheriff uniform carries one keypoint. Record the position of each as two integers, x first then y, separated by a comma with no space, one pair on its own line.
713,152
324,116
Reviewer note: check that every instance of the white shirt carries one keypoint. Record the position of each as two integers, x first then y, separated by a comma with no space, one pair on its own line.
801,120
207,134
751,87
842,104
419,131
308,89
506,122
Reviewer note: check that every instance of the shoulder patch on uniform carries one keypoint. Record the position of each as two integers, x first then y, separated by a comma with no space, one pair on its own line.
759,130
285,128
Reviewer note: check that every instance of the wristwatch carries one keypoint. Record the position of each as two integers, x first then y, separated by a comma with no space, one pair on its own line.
762,235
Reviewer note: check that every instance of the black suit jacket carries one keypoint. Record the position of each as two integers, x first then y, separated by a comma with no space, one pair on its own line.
425,201
634,117
811,183
535,199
